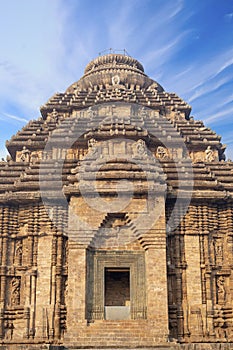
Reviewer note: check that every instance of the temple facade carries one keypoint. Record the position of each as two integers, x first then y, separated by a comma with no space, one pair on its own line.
116,225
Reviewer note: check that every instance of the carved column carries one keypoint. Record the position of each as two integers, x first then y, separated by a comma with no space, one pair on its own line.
4,254
27,318
157,308
194,284
76,301
180,314
1,323
44,309
59,270
209,303
3,270
32,304
57,326
156,267
30,250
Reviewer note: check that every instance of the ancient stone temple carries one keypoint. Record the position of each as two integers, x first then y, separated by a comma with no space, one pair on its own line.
116,221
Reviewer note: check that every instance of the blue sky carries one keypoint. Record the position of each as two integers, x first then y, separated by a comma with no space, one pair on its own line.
185,45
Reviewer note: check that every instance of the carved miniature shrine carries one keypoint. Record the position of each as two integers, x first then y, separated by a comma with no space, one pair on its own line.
116,220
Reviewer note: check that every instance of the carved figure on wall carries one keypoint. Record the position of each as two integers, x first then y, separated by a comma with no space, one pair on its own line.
139,149
178,116
91,143
115,80
162,152
221,290
90,113
15,291
53,116
143,112
25,154
218,251
23,228
34,157
76,169
209,154
18,252
92,149
153,88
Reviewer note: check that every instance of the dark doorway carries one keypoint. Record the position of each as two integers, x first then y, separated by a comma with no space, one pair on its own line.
117,286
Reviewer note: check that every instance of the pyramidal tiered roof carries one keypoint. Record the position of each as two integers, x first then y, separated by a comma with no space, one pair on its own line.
162,119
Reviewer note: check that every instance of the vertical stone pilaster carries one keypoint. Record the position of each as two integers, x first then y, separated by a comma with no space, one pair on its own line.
156,275
194,285
157,302
43,287
57,325
1,323
30,253
5,233
27,322
32,304
76,298
209,305
193,273
59,270
3,270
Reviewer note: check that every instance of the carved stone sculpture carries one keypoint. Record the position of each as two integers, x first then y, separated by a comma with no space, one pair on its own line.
162,152
139,149
25,155
15,291
209,154
116,239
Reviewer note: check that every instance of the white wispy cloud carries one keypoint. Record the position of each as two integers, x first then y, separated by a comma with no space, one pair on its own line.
221,114
200,92
225,65
31,51
228,99
166,50
7,116
177,8
229,16
202,72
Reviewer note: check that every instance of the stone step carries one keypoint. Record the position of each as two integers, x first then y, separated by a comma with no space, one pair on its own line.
118,332
126,346
159,347
166,346
108,327
133,333
119,345
115,342
119,323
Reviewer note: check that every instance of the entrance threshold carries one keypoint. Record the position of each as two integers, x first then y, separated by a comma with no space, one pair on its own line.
116,313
